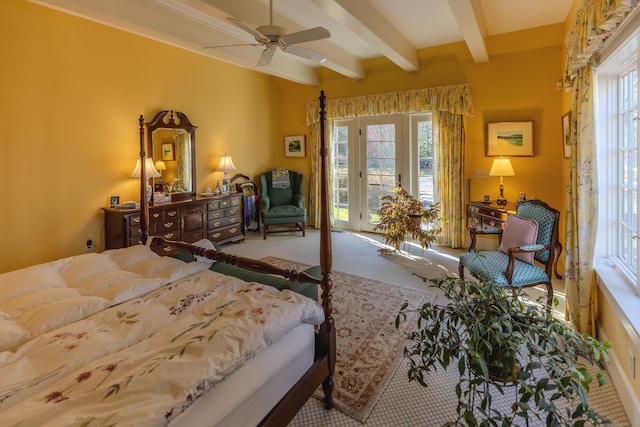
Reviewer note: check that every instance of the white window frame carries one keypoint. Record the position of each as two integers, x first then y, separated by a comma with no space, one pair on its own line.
608,127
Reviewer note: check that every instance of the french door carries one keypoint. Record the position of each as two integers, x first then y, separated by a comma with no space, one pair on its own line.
367,164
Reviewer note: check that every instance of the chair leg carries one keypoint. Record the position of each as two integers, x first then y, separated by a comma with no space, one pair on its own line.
461,270
549,295
303,229
264,231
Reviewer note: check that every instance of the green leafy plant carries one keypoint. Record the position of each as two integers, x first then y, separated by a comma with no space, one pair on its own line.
497,340
402,216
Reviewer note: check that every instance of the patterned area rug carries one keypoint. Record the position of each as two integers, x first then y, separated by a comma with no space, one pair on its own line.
369,347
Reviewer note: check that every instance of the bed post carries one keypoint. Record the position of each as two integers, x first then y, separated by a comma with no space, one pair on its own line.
144,206
327,329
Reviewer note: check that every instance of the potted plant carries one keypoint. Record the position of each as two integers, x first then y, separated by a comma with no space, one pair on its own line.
402,216
497,340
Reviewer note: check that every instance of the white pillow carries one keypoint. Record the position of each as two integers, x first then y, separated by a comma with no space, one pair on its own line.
157,267
57,314
17,283
129,290
11,335
21,305
207,244
185,270
126,257
85,266
98,283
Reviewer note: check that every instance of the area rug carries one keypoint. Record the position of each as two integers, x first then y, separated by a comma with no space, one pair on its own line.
369,347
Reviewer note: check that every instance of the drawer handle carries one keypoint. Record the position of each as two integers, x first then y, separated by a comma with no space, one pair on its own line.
166,249
233,230
476,220
168,224
156,215
235,219
172,213
215,235
216,224
136,219
492,223
168,235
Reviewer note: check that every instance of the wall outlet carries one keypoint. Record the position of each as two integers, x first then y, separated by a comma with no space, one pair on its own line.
480,173
632,364
89,245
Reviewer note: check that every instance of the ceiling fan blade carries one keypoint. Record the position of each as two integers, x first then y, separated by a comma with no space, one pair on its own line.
266,57
317,33
302,52
231,45
258,36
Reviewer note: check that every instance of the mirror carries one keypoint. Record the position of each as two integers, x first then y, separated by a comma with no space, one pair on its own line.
172,140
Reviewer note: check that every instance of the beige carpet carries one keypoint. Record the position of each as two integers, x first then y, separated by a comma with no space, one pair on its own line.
369,347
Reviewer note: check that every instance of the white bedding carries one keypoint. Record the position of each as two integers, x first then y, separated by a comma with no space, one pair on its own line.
129,338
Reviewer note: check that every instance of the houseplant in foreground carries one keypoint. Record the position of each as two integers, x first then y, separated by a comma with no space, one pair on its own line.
402,216
497,340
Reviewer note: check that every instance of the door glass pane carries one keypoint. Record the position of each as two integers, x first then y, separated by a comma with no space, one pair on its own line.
340,173
381,166
425,162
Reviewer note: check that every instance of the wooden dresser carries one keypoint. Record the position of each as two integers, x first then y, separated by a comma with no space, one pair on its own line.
489,215
218,219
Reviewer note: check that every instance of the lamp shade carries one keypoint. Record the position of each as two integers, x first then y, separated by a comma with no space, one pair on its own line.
501,167
160,166
226,164
150,171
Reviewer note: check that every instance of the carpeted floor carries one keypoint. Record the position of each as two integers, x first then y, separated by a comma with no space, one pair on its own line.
401,403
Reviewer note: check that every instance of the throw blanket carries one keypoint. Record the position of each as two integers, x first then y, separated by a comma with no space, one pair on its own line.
250,212
145,361
280,178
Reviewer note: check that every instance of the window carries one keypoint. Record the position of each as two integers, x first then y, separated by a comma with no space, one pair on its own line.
618,159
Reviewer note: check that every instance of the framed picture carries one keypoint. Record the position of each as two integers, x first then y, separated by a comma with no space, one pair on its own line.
566,135
114,201
168,151
294,146
511,139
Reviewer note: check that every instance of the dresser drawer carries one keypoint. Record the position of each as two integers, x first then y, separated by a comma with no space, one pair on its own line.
223,222
225,233
235,210
217,214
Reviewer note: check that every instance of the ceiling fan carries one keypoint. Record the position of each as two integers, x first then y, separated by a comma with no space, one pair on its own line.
273,37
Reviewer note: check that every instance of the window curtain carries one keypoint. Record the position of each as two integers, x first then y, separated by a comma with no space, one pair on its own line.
450,104
594,22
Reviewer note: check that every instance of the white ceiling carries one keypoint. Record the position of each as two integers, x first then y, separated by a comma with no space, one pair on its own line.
360,29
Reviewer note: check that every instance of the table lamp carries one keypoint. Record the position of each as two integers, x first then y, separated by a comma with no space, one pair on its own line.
150,173
225,165
501,167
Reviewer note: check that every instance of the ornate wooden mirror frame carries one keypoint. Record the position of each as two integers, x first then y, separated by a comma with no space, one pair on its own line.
171,138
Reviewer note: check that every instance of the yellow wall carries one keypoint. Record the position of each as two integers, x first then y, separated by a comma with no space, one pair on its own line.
73,91
513,85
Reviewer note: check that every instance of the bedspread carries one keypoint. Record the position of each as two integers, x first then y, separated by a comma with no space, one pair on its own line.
146,360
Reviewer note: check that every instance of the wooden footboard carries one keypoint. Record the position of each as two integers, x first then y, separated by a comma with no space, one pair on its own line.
321,372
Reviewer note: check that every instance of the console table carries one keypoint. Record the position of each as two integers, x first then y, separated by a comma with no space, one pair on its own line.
487,215
218,219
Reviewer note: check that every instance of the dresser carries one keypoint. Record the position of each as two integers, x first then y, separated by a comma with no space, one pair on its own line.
218,219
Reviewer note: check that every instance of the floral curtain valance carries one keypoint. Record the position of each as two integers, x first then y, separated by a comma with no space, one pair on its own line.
594,22
454,99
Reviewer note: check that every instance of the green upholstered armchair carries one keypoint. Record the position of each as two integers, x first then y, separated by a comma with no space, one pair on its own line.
529,250
282,204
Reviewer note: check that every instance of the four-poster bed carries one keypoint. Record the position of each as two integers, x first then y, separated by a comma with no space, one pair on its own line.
139,339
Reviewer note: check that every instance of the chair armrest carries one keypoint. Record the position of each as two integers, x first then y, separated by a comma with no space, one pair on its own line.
518,250
298,200
265,203
474,232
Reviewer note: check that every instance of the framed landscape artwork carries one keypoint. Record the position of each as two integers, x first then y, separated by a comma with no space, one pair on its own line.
511,139
294,146
168,151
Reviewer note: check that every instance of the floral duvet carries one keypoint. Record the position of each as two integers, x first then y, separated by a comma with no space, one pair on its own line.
129,340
